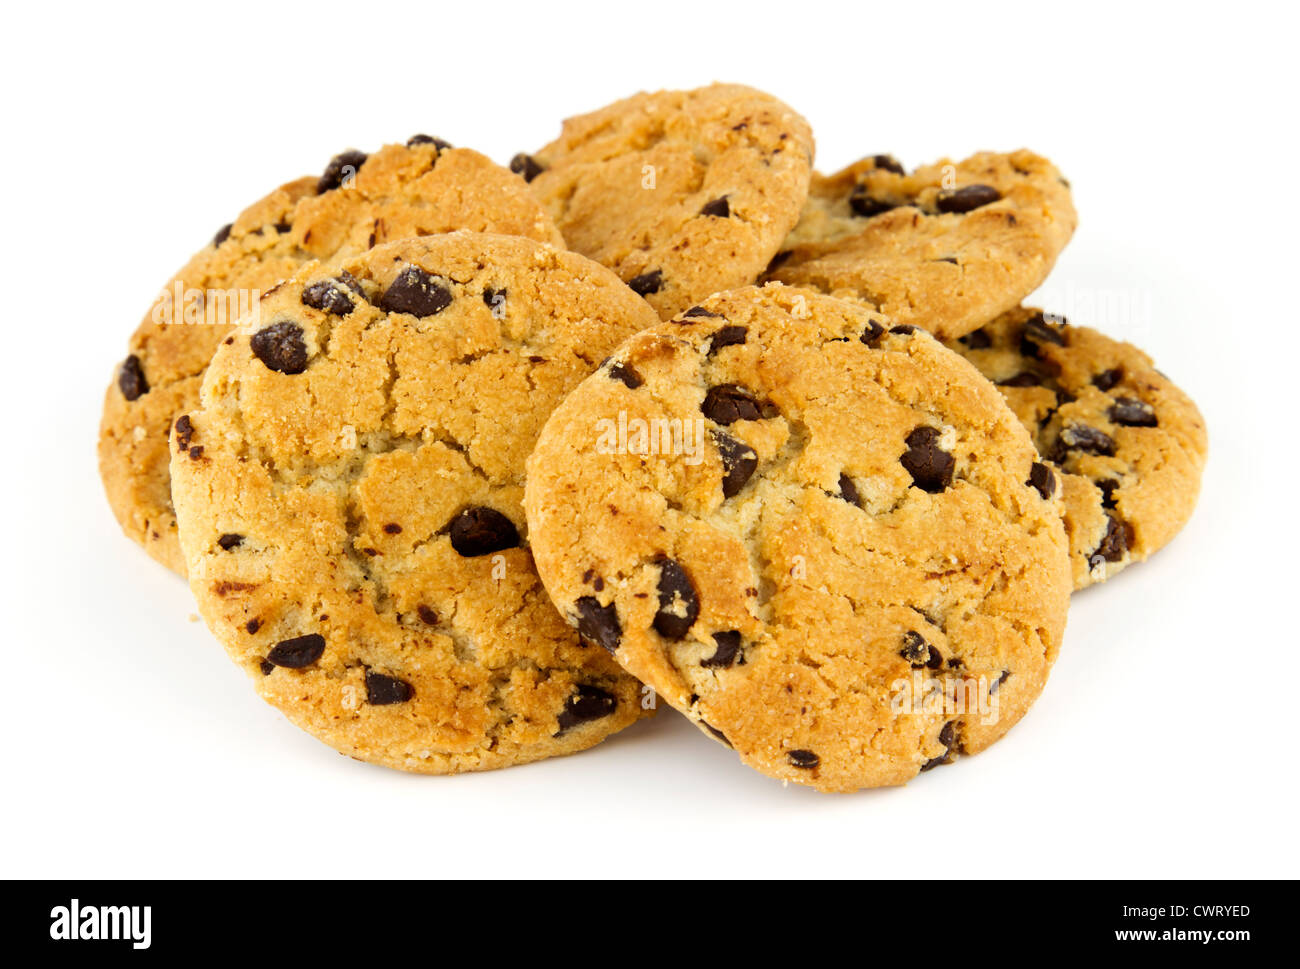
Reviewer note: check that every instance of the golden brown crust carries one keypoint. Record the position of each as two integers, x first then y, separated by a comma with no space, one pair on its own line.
813,559
398,192
946,271
356,475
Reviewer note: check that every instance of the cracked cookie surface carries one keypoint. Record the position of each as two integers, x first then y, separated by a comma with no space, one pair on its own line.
789,518
1128,445
421,188
350,501
947,247
682,193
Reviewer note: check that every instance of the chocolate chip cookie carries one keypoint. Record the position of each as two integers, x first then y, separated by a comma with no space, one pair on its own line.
947,247
825,539
682,193
1128,447
420,188
350,498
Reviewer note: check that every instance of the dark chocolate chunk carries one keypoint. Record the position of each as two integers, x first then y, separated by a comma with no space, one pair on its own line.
598,623
1132,412
426,614
803,759
230,540
281,347
929,465
978,340
739,462
919,653
849,491
383,690
1042,479
728,336
130,378
865,206
718,208
184,432
696,311
482,531
1081,437
872,333
1113,544
966,199
728,403
297,652
438,143
1026,378
341,169
326,296
415,292
728,648
526,165
625,375
1108,489
222,234
647,283
1108,379
679,603
586,703
889,163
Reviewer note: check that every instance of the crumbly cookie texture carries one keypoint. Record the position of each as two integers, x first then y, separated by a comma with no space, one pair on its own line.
947,247
1128,446
350,501
421,188
682,193
826,541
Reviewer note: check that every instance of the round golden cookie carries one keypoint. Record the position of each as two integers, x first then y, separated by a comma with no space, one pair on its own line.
813,535
682,193
1129,446
420,188
947,247
350,501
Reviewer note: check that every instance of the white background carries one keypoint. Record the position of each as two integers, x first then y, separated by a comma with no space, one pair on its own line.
1165,743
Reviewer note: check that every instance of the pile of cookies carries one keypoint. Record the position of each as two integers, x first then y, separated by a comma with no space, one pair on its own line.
471,466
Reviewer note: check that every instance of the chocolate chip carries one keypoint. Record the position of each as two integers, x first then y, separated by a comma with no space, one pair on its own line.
438,143
929,465
997,684
1081,437
718,208
328,298
889,163
647,283
482,531
281,347
679,603
978,340
872,333
495,300
1024,379
728,336
1108,489
383,690
728,403
526,165
184,432
230,540
739,462
715,732
598,623
196,453
1038,331
1042,479
849,491
1107,379
253,625
905,329
1133,413
966,199
426,614
803,759
866,207
695,311
728,648
297,652
266,666
625,375
919,653
586,703
222,234
415,292
130,378
1113,544
282,227
340,169
947,737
